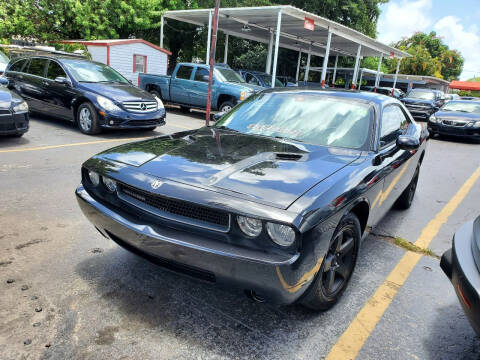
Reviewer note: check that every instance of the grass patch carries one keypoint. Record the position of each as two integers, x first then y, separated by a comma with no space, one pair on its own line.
407,245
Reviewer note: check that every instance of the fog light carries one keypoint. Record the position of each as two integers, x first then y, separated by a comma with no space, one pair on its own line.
94,178
110,184
282,235
250,226
111,122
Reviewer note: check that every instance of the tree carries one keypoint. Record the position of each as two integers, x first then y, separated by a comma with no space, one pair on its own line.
430,57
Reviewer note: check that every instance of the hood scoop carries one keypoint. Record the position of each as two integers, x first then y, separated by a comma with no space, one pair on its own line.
290,156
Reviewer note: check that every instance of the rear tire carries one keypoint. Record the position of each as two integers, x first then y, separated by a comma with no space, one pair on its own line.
155,93
87,119
406,198
184,109
337,267
226,106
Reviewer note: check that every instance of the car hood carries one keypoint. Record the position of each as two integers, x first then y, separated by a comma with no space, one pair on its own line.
457,115
117,92
263,169
418,101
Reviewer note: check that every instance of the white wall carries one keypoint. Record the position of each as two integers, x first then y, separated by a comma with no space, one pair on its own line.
121,59
99,53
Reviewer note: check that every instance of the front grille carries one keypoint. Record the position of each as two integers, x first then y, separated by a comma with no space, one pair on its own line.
218,219
454,123
152,122
7,127
140,106
5,112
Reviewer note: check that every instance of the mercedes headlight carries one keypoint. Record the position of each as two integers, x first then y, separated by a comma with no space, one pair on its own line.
94,177
110,184
282,235
249,226
107,104
433,119
20,107
159,102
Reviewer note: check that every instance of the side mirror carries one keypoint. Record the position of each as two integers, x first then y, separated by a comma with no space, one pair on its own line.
408,142
3,81
62,80
205,78
218,116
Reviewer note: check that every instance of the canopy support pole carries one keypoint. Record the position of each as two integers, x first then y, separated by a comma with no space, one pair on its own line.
396,76
360,81
277,42
225,51
325,59
355,70
161,31
307,70
268,67
335,71
207,60
298,65
211,57
377,77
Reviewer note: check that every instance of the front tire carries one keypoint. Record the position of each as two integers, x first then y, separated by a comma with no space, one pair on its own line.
406,198
337,267
226,106
87,119
155,93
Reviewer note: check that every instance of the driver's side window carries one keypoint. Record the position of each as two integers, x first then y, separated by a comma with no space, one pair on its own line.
394,123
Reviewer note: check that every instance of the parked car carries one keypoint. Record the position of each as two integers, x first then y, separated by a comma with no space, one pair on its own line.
188,87
398,94
274,199
461,264
3,62
287,81
469,98
449,97
457,118
258,78
13,112
423,102
91,94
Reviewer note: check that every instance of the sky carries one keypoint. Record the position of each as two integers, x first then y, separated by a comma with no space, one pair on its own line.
457,22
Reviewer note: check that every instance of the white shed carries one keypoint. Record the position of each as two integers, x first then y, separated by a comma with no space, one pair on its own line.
128,56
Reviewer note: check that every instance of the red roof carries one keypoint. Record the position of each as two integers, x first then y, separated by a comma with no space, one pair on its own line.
114,42
465,85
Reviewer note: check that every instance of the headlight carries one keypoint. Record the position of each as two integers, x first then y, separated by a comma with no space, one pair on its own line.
244,95
477,124
433,119
250,226
159,102
107,104
94,177
282,235
21,107
110,184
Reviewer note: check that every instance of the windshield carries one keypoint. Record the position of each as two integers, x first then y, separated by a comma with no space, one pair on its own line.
3,58
305,117
462,106
85,71
267,79
229,75
423,95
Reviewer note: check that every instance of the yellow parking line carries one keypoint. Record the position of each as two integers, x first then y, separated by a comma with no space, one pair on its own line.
353,339
70,145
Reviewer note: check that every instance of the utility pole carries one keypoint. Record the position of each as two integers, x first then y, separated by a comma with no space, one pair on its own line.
213,47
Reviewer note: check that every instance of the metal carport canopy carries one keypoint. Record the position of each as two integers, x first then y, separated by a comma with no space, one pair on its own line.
262,21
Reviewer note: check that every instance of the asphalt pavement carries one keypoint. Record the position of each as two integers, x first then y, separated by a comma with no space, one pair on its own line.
76,295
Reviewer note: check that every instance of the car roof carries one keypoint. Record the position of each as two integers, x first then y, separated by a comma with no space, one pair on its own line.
365,96
59,58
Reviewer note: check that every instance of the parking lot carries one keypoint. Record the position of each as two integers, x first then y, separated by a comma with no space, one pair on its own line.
68,293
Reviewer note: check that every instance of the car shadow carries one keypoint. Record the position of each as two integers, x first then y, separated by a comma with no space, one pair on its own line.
225,322
194,113
456,139
452,336
11,141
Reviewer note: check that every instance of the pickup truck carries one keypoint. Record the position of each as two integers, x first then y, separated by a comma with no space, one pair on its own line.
188,87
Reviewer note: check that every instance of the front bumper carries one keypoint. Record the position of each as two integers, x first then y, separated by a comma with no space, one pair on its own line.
131,120
459,265
278,278
11,123
420,113
464,131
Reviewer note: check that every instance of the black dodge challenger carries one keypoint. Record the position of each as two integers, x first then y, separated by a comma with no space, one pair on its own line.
273,199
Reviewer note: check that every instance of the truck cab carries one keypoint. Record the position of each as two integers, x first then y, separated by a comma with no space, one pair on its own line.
188,87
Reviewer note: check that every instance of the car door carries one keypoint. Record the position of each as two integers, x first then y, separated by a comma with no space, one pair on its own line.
58,96
181,83
199,88
32,85
395,165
